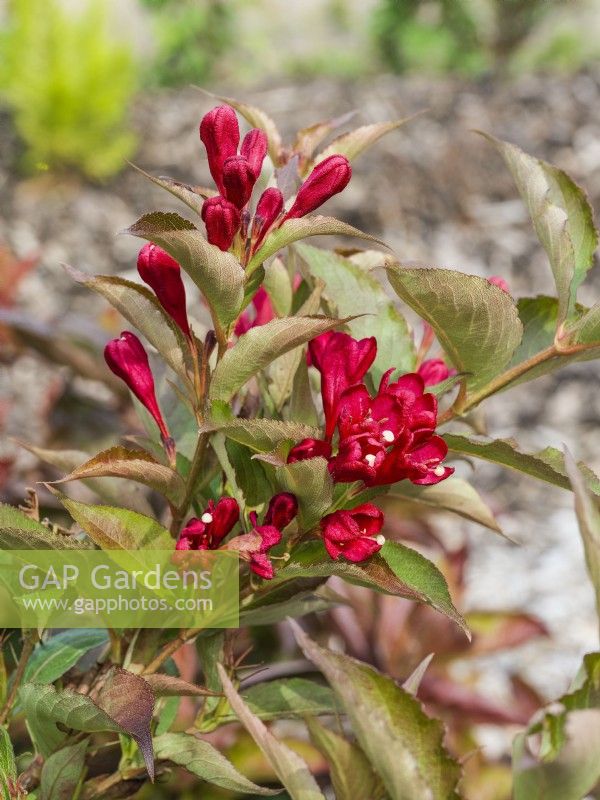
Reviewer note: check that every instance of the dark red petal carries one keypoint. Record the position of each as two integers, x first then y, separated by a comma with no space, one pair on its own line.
238,180
329,177
220,134
222,220
283,507
163,274
254,149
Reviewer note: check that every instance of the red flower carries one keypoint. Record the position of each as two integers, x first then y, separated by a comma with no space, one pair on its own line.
309,448
282,509
254,149
435,370
222,220
329,177
417,459
238,179
264,313
354,534
163,274
127,358
342,362
220,134
495,280
214,525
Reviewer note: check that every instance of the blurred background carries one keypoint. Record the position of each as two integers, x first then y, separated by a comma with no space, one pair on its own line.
88,85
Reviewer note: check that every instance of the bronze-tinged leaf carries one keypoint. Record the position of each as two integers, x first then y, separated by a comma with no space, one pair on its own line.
171,686
136,465
192,196
355,142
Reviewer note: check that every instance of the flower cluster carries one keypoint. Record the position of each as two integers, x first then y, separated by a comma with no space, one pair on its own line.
235,175
219,519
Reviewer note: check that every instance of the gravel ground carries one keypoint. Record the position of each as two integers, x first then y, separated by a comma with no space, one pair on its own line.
438,194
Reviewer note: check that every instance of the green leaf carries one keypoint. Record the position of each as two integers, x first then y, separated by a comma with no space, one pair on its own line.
279,287
351,290
263,435
306,602
63,772
249,474
257,348
476,323
137,465
572,774
201,759
588,517
453,494
285,698
293,230
8,765
116,528
561,215
312,484
217,274
588,328
140,307
547,465
355,142
288,766
402,743
20,532
396,570
51,659
352,776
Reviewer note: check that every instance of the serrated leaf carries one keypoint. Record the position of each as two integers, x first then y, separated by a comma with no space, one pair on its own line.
476,323
115,492
308,139
20,532
172,686
293,230
588,517
402,743
353,143
453,494
257,348
182,191
286,698
52,658
8,765
312,484
561,215
396,570
217,274
140,307
137,465
263,435
63,772
350,290
257,118
116,528
288,766
547,465
203,760
352,776
250,474
588,327
307,602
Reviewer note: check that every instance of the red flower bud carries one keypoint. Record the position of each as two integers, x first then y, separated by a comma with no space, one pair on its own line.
354,534
282,510
264,313
268,209
254,149
220,134
214,525
162,273
435,370
222,220
495,280
238,180
329,177
127,358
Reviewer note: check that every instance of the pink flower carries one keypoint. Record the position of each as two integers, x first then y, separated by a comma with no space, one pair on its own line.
342,362
282,509
127,358
214,525
163,274
222,220
434,370
354,534
328,178
495,280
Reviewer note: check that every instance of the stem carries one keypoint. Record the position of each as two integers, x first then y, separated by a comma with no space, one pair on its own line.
192,480
169,649
28,647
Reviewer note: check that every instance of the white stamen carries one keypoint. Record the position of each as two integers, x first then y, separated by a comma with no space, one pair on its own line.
206,518
380,539
370,459
387,436
439,471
